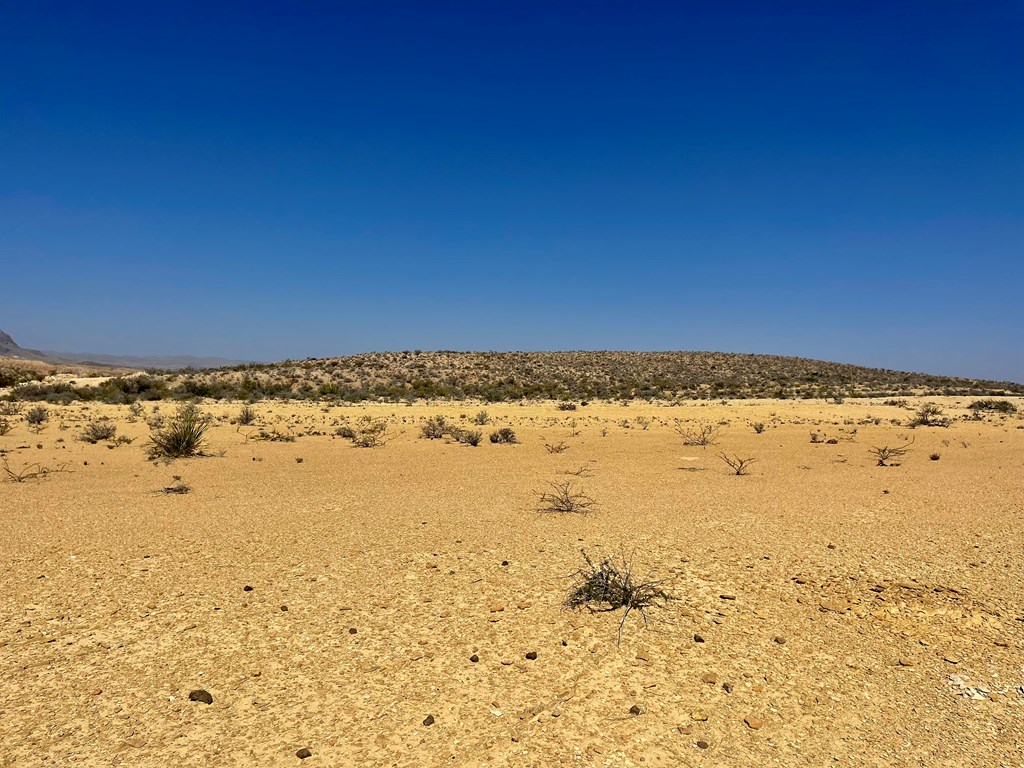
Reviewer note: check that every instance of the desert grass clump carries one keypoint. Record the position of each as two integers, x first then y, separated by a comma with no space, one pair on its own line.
6,426
434,429
181,436
886,453
467,436
177,486
482,418
564,498
98,430
36,418
566,406
739,465
504,435
929,415
999,406
609,586
702,435
556,447
368,432
246,416
273,435
758,427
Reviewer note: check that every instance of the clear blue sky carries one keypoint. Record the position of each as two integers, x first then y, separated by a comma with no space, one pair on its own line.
286,179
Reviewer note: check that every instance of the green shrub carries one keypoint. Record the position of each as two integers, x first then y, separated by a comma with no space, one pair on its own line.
929,415
435,428
503,435
98,430
467,436
999,406
182,435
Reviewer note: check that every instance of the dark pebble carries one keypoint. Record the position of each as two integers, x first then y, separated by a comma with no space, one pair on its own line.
284,607
247,588
474,658
504,562
201,695
352,630
702,745
428,720
532,655
303,753
634,710
727,687
698,639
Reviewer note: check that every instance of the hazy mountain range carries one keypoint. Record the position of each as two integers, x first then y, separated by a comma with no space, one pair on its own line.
10,348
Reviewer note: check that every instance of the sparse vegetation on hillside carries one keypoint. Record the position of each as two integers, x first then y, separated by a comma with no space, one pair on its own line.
568,377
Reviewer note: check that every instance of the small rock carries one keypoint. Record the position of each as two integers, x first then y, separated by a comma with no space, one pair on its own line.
634,710
727,687
754,723
428,720
702,744
497,608
352,630
906,661
504,562
532,655
780,640
699,715
201,695
710,678
698,639
303,753
474,658
951,658
284,607
728,597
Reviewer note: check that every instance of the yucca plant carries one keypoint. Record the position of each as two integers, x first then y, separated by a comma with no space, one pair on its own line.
181,436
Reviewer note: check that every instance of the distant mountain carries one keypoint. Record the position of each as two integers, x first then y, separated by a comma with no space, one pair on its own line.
10,348
166,362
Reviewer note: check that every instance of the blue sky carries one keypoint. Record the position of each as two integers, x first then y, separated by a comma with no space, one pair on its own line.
842,181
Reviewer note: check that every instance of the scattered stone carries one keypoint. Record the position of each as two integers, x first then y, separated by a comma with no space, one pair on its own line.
428,720
906,661
727,687
532,655
951,658
699,715
352,630
710,678
780,640
754,723
247,588
474,658
698,639
303,753
634,710
497,608
833,605
201,695
702,744
284,607
728,597
504,562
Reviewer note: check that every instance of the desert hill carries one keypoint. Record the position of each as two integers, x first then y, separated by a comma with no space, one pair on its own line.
508,376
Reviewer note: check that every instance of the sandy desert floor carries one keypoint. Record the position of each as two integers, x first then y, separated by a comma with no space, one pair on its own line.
828,612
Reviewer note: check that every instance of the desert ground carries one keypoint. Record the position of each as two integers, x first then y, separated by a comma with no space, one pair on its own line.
377,606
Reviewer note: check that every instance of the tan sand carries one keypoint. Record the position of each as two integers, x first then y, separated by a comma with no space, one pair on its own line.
835,598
